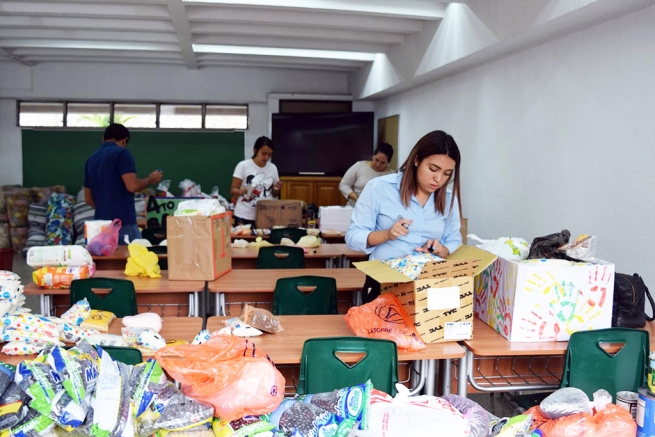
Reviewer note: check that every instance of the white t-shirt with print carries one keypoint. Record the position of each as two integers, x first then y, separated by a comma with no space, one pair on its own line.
259,182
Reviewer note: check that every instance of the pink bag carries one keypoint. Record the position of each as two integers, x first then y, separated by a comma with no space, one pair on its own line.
106,242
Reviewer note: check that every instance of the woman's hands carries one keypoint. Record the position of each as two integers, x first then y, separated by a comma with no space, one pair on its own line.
434,247
399,229
277,186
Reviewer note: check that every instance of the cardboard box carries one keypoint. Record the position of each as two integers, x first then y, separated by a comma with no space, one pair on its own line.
440,301
334,218
199,248
278,213
526,302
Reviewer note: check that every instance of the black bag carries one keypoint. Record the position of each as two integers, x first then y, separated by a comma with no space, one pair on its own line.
630,295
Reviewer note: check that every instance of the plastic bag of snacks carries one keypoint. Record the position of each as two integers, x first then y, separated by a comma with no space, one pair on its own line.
385,318
146,340
144,377
227,372
98,320
77,313
57,256
17,402
296,418
244,427
74,334
53,278
112,397
349,402
261,319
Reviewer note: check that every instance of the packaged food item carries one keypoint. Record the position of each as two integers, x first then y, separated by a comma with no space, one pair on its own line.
202,337
241,329
10,289
305,420
15,406
40,383
112,398
144,320
245,427
261,319
349,402
146,339
385,318
67,413
33,424
77,313
53,278
100,339
29,337
70,374
93,227
174,342
8,275
32,323
58,256
22,348
98,320
202,207
74,334
517,425
6,376
144,377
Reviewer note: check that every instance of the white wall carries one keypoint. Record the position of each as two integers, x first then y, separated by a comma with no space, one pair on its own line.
557,136
95,81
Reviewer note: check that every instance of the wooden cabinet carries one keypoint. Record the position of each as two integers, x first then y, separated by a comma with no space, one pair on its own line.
322,191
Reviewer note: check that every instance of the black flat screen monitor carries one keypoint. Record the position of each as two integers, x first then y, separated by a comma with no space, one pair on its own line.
321,143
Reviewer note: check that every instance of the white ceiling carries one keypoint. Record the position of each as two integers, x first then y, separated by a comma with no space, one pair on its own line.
318,32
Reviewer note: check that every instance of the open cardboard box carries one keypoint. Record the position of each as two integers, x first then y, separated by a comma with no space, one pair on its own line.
440,301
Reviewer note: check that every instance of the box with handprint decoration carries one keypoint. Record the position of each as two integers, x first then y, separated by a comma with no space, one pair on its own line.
543,300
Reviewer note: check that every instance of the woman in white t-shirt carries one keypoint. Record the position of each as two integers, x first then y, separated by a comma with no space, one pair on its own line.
355,179
255,179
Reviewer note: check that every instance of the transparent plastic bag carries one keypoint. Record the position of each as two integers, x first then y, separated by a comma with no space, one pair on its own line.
565,402
477,416
261,319
106,242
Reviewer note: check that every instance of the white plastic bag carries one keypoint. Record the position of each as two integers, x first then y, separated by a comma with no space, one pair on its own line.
510,248
565,402
417,416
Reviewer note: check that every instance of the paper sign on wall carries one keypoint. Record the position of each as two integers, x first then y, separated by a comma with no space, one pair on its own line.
445,298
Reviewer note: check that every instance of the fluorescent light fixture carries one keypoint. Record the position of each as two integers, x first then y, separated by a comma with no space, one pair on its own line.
273,51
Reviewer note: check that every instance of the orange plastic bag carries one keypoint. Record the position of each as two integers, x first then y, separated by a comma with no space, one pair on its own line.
613,421
227,372
385,318
53,278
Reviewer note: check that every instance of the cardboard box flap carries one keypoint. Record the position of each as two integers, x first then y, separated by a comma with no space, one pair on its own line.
450,268
381,272
466,252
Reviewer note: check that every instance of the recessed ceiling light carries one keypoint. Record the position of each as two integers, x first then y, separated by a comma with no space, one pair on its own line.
275,51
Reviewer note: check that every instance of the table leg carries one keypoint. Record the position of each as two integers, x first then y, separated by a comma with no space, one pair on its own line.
430,380
220,305
418,384
43,305
445,368
465,367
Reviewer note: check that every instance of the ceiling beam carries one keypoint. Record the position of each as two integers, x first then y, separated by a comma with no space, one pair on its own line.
177,11
416,9
113,60
86,23
296,32
6,54
88,35
91,45
293,18
29,51
275,65
85,9
208,57
262,41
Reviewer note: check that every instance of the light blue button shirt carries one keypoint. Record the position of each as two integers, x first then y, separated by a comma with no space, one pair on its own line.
378,208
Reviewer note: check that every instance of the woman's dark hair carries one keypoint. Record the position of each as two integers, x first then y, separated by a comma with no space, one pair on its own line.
385,148
261,142
435,143
116,132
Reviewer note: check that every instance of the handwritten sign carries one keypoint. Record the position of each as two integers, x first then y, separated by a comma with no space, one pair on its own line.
158,208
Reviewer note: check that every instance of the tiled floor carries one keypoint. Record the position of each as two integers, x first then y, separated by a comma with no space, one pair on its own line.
496,404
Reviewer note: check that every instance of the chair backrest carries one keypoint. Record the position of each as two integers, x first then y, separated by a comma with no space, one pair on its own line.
126,355
321,370
288,299
121,300
293,257
589,367
294,234
154,235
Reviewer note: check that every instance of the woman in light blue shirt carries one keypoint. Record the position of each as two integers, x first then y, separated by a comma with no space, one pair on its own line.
412,210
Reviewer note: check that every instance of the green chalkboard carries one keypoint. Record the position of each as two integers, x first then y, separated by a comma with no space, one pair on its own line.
57,157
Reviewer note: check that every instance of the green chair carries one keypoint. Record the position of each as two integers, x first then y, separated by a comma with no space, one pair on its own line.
293,258
288,299
589,367
121,299
321,370
294,234
126,355
154,235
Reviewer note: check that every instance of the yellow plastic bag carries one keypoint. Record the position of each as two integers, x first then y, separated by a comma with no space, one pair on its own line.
259,242
142,262
98,320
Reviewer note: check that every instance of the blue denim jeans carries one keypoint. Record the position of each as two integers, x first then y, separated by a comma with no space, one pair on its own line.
132,232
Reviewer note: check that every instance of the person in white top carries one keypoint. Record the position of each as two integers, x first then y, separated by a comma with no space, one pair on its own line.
361,172
253,180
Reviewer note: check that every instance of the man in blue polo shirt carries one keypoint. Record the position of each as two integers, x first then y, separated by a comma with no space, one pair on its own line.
110,181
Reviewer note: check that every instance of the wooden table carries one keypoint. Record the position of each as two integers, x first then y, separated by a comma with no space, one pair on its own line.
151,291
286,347
339,238
117,260
263,281
173,328
349,255
325,257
